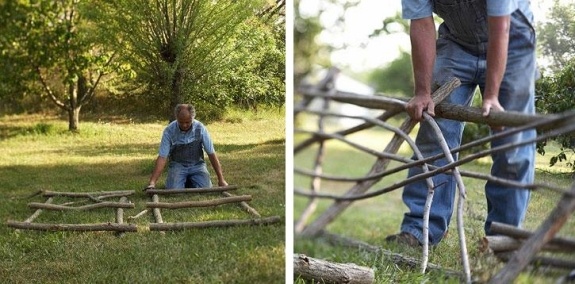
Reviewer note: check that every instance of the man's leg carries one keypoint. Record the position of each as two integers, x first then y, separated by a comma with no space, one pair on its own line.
176,176
508,204
451,61
200,177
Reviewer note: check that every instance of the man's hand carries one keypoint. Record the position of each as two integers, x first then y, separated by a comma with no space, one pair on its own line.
491,104
418,104
150,186
222,183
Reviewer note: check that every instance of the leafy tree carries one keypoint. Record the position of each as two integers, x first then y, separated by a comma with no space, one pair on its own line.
555,95
55,46
396,78
556,36
179,48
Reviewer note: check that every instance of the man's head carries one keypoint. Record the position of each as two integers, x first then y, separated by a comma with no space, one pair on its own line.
184,114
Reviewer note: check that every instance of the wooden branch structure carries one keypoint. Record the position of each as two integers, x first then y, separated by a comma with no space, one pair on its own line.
178,226
321,271
204,203
191,190
73,227
547,126
96,197
228,198
154,206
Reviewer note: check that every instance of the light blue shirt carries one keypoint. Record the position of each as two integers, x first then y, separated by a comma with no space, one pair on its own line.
172,135
417,9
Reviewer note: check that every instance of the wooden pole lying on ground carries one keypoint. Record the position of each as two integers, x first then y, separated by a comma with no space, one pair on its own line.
191,190
322,271
219,223
79,208
156,211
204,203
48,193
244,205
541,260
120,211
38,211
545,233
73,227
512,231
504,243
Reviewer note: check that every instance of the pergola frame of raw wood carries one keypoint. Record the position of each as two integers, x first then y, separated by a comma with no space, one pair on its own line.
96,197
549,126
160,225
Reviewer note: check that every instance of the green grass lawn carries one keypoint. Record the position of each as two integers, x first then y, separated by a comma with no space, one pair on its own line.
371,220
38,153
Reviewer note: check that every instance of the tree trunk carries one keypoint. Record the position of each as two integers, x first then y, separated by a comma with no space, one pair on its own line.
176,92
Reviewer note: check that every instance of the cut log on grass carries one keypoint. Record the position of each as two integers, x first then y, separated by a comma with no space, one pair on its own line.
338,240
191,190
244,205
73,227
48,193
321,271
36,205
505,243
511,231
217,223
203,203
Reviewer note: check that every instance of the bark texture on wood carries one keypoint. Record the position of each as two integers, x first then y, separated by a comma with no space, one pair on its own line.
191,190
217,223
541,260
80,208
512,231
380,165
244,205
505,244
542,235
48,193
156,211
73,227
38,211
203,203
413,263
322,271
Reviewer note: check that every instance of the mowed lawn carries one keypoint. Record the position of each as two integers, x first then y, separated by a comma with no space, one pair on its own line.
107,154
371,220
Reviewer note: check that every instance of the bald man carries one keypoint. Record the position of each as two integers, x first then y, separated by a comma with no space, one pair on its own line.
182,148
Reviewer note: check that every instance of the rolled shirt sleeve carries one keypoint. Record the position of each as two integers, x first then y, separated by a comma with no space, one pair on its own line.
501,7
207,142
165,144
416,9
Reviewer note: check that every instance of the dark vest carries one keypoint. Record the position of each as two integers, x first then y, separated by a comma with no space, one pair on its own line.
188,154
464,22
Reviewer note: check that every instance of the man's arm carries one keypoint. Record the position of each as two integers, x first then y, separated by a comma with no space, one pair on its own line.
217,168
422,35
158,168
497,46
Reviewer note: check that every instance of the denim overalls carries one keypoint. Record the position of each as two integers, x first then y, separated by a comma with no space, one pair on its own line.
187,168
461,52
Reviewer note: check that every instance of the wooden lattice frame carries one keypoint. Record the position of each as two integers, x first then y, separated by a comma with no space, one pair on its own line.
155,205
549,126
96,197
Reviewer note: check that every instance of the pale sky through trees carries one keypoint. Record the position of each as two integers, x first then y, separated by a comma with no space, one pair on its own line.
362,53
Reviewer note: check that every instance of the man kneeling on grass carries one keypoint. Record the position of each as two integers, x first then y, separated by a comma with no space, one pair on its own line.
183,143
